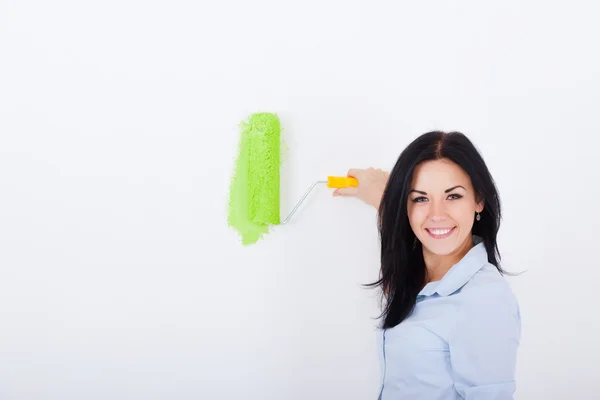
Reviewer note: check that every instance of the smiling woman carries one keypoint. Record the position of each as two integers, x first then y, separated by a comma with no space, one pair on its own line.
451,323
437,212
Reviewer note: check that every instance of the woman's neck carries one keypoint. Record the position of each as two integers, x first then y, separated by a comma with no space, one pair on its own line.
438,265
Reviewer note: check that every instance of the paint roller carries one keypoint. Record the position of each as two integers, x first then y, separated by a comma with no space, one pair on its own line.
254,195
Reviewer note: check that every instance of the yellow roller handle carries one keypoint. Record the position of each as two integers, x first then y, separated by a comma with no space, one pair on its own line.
341,182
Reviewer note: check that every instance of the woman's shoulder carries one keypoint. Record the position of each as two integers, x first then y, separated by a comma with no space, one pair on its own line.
487,307
488,285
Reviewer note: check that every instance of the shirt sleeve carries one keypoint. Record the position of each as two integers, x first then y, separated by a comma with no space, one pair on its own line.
484,343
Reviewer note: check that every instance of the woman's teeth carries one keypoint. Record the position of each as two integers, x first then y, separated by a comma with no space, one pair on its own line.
440,232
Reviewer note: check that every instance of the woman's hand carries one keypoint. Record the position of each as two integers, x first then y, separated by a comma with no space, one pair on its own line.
371,184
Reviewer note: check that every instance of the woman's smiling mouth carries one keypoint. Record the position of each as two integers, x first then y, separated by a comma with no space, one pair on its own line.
440,233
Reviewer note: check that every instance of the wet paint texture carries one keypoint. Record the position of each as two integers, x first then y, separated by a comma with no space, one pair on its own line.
254,190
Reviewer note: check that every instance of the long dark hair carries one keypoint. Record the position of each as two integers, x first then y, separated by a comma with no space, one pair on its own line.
403,271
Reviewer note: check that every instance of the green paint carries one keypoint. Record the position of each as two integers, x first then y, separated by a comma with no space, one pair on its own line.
254,190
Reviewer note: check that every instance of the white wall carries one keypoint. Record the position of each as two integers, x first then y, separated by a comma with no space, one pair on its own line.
119,278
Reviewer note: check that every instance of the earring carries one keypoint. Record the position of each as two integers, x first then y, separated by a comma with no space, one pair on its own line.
478,217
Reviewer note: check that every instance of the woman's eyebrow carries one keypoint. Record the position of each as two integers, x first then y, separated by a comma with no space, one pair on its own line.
446,191
454,187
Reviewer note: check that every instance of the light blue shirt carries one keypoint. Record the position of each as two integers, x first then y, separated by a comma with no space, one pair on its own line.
460,341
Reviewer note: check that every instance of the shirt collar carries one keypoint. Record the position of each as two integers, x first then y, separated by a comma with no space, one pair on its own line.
460,273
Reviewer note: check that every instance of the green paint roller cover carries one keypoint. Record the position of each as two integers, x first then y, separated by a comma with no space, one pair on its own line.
254,191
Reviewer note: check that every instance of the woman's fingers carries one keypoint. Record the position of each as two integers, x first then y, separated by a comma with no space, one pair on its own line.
349,191
355,173
371,184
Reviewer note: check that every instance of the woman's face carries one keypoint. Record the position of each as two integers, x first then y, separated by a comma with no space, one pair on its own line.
442,206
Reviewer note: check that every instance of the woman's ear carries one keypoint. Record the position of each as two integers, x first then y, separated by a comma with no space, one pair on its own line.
479,207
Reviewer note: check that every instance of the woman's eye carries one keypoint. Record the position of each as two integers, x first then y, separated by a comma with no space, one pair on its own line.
419,199
455,196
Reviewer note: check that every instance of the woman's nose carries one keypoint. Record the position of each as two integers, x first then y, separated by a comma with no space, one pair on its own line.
438,218
438,213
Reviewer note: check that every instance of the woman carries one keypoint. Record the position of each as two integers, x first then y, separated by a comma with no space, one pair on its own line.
451,324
